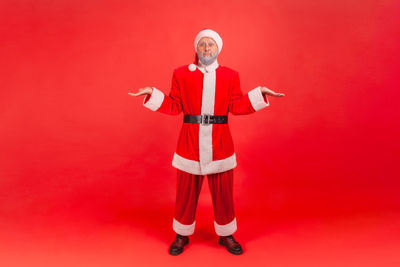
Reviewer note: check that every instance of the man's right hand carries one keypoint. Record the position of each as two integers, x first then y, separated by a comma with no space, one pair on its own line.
143,91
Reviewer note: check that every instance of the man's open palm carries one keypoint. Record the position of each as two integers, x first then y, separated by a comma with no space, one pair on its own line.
267,91
143,91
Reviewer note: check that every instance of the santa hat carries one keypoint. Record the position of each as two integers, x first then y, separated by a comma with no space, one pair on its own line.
207,33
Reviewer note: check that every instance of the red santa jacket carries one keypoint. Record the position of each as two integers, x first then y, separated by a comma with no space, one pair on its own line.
214,90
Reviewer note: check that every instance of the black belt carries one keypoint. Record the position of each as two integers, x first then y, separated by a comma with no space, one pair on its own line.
205,119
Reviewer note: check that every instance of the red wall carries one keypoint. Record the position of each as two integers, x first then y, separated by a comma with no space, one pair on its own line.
75,146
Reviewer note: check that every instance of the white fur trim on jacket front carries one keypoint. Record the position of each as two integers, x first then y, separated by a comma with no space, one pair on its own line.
207,107
194,167
226,229
257,99
155,101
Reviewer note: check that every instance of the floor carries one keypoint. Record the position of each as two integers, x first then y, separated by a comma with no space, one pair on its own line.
141,238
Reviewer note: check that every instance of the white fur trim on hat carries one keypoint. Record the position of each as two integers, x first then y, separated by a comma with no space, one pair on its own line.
208,33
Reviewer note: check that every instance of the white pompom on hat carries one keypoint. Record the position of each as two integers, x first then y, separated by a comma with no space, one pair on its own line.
208,33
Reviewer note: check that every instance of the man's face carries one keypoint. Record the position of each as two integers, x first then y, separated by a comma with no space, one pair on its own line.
207,47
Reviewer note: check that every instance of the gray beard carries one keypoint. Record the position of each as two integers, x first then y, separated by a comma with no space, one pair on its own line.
207,60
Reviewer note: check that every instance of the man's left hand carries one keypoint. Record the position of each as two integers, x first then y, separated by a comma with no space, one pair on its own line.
267,91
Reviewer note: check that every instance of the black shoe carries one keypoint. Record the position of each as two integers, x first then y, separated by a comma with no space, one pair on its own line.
176,247
231,244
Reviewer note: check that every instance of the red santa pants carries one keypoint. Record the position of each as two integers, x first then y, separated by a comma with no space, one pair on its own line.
187,195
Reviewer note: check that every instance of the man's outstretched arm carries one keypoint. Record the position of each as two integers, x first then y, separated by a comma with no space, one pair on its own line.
256,99
158,101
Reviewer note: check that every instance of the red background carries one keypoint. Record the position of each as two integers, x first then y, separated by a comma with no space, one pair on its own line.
85,170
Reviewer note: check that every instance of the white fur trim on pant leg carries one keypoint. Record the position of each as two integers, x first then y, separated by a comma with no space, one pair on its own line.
226,229
183,229
155,101
257,99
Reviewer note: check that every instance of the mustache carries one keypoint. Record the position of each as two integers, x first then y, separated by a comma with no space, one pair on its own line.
210,54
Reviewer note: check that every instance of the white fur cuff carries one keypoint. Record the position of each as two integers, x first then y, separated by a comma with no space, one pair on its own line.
155,101
183,229
257,99
226,229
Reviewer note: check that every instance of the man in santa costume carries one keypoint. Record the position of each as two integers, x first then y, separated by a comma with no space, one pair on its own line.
205,92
